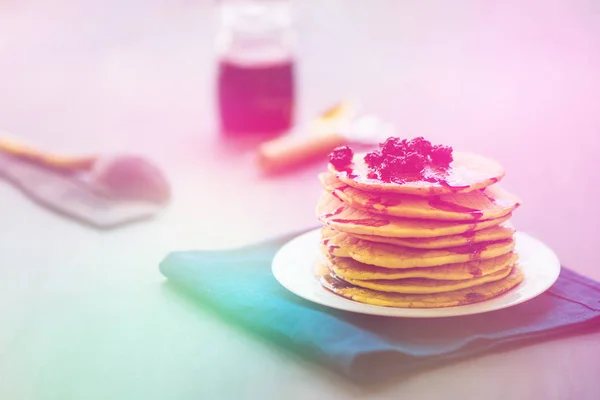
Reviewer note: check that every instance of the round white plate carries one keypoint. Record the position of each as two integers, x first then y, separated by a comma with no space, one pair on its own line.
294,267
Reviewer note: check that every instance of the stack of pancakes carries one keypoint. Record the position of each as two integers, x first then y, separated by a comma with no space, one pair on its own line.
418,244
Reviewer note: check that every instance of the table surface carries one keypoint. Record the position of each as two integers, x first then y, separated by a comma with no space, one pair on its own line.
85,314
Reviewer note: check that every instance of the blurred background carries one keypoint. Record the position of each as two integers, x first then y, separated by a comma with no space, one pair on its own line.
83,311
516,81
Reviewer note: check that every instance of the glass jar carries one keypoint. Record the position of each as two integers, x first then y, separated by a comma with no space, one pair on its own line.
255,82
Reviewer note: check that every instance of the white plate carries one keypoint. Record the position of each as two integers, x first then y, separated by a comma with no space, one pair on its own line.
293,266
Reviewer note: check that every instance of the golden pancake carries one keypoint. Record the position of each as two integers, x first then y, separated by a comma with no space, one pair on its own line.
425,286
495,233
341,217
348,268
492,202
389,256
465,296
467,172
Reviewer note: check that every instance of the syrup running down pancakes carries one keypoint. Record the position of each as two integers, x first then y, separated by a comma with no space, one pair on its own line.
416,225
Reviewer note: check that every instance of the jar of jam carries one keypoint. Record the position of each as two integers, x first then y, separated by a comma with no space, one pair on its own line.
255,79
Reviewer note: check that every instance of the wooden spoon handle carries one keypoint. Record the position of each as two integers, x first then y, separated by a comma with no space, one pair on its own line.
31,154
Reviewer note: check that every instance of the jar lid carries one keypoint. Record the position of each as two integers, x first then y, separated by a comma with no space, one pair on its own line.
254,16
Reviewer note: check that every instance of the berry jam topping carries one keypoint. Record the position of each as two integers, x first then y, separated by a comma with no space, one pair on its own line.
398,159
441,155
341,156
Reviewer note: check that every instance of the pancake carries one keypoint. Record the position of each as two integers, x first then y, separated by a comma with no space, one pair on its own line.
492,202
389,256
495,233
348,268
341,217
465,296
467,172
426,286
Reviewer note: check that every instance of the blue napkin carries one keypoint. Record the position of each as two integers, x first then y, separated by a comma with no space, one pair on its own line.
239,285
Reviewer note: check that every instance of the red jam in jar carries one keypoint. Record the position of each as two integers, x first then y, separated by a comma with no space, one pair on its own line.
255,78
255,98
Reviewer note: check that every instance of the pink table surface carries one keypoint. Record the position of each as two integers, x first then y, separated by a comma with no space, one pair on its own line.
84,313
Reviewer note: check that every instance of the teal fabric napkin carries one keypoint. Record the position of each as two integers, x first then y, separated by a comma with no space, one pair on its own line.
239,285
